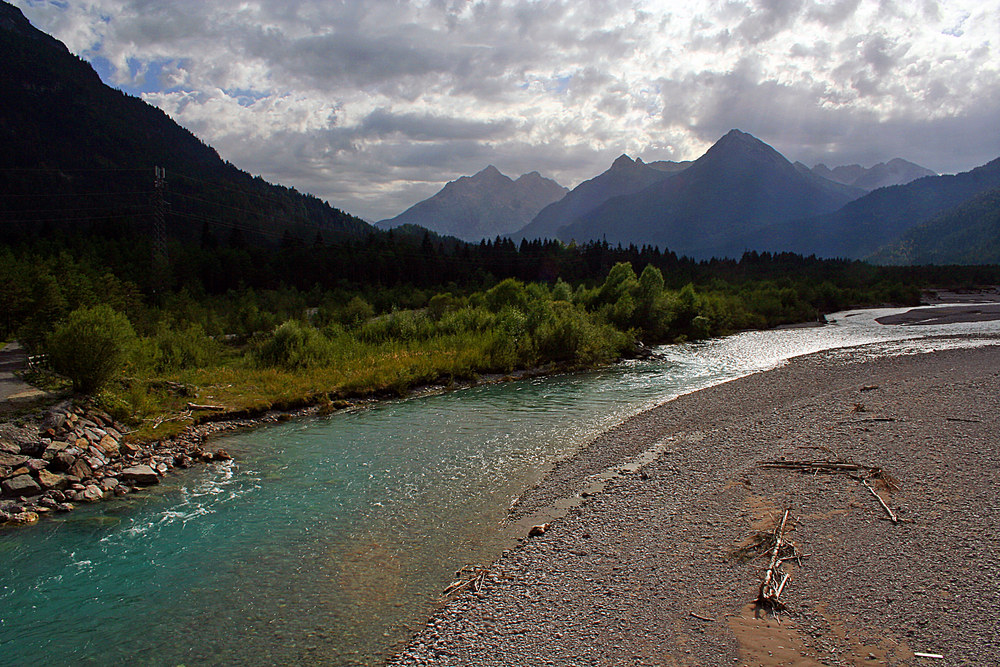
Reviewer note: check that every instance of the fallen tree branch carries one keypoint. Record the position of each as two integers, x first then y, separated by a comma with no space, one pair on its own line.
703,618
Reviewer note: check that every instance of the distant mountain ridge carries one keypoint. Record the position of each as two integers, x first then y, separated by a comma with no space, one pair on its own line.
878,219
486,205
966,234
739,185
894,172
63,130
623,177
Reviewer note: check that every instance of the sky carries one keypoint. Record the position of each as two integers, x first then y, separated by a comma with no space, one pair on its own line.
374,105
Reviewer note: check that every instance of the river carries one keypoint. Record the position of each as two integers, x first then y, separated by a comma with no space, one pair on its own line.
329,539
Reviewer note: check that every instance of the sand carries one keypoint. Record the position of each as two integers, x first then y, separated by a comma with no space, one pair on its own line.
643,573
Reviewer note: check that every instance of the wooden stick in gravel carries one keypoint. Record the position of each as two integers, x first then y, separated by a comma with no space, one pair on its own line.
892,515
766,595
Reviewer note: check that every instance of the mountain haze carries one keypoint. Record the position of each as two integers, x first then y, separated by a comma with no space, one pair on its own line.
482,206
738,186
894,172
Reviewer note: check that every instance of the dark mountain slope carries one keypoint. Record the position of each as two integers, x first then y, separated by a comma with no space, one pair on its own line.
739,185
880,218
966,234
485,205
78,152
625,176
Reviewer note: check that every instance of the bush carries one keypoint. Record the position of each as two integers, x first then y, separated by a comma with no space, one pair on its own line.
294,346
91,347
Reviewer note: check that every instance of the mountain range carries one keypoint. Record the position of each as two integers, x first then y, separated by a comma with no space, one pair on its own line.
79,154
485,205
896,171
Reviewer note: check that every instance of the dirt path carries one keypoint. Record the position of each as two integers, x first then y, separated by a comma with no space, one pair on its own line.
13,358
644,573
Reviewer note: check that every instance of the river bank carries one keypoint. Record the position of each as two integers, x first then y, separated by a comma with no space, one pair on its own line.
645,573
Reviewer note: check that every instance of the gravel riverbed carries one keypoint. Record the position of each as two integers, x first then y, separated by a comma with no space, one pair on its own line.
643,573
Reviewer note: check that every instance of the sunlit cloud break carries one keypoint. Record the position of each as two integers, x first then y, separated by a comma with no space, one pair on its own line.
374,105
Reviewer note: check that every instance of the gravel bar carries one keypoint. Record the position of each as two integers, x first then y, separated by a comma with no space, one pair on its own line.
644,573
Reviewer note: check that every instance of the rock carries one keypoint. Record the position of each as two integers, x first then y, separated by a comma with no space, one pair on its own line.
92,493
53,449
22,485
222,455
9,447
82,444
34,465
22,518
80,469
51,480
162,468
538,530
142,475
109,483
129,449
10,460
182,461
65,507
62,462
121,490
55,418
48,503
109,446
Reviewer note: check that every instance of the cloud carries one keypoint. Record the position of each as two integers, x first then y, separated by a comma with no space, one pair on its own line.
374,104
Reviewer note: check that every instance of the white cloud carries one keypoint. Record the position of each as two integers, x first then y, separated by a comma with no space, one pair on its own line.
374,104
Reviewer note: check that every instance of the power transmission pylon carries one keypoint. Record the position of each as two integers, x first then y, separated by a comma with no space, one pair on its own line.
158,237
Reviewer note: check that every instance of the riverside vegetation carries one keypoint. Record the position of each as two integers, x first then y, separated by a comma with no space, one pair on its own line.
147,356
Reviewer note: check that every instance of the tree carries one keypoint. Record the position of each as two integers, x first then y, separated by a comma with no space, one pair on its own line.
91,347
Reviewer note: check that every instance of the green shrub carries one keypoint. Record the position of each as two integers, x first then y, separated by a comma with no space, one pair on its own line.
91,347
294,346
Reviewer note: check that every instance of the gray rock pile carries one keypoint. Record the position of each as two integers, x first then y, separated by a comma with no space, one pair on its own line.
81,456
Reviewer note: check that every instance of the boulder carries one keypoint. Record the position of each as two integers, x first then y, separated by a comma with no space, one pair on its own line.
63,461
222,455
34,465
129,449
92,493
65,507
22,485
142,475
54,418
22,518
51,480
109,483
11,460
80,469
54,448
9,447
108,445
5,472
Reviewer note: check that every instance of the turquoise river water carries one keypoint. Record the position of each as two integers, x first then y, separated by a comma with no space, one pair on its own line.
329,539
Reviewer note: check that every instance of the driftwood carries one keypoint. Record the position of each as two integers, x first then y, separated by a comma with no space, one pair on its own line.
703,618
892,515
857,471
469,578
195,406
769,593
